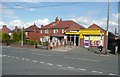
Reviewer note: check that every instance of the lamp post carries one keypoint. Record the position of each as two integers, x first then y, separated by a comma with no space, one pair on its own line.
107,27
22,37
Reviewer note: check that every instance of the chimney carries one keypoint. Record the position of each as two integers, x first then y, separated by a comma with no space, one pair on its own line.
41,26
34,24
16,28
56,20
4,26
22,28
60,19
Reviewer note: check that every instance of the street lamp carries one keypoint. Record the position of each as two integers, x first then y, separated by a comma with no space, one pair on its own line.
107,27
22,37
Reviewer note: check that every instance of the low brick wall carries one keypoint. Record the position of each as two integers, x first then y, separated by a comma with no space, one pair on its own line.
4,44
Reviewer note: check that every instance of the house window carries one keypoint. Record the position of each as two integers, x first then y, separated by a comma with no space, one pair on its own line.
41,31
62,30
26,33
47,31
55,31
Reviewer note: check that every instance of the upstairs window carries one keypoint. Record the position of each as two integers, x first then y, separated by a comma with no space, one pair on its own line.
62,30
55,31
47,31
41,31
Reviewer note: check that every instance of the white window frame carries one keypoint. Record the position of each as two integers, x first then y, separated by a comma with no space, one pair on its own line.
46,31
55,31
41,31
62,30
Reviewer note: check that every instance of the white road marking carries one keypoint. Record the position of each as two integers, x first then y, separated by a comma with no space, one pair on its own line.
112,74
95,71
34,61
8,56
88,60
0,55
42,62
27,59
82,59
12,57
60,65
100,72
17,58
70,67
69,58
4,55
82,69
23,59
49,64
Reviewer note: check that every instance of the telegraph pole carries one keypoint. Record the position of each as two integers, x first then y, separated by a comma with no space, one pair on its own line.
22,37
107,26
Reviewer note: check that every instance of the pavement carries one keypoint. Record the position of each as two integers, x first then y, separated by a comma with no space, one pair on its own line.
76,61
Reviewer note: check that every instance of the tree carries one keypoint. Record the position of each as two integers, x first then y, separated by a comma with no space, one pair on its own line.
5,38
16,37
0,37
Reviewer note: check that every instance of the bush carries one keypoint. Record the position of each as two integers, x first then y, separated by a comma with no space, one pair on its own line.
5,38
46,43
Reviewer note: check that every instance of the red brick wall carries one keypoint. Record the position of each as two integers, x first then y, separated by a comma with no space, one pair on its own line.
34,36
51,32
102,31
81,42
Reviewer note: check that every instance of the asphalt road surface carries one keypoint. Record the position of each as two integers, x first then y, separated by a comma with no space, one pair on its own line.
78,61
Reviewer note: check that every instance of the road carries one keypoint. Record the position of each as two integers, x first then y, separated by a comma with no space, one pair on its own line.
78,61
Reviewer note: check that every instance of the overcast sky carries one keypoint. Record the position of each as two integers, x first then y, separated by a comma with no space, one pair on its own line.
42,13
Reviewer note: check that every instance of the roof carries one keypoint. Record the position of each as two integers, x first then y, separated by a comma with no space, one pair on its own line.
63,24
32,28
5,29
72,28
95,26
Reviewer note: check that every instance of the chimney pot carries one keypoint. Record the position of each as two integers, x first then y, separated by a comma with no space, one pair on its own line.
56,20
60,19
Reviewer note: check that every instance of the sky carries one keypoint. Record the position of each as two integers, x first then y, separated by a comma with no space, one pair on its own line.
24,14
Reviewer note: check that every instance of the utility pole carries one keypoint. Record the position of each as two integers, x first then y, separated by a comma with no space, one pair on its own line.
107,27
22,37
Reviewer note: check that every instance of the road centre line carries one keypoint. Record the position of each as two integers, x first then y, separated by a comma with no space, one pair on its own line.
60,65
23,59
34,61
49,64
42,62
112,74
82,69
70,67
4,55
27,59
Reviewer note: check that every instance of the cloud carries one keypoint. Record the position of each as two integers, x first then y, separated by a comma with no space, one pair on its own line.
87,21
21,24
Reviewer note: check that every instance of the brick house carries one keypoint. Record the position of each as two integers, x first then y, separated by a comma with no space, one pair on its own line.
102,37
92,36
55,31
33,32
5,29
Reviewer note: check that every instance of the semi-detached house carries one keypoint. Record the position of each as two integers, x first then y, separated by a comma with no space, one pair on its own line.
55,31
